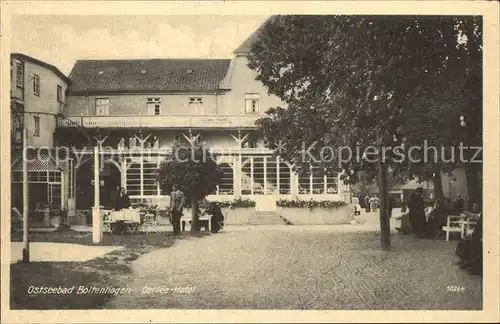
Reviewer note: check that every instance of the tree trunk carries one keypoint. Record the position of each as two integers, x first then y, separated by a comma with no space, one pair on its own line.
474,182
195,224
438,185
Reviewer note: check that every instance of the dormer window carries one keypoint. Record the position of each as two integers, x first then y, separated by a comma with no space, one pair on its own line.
251,103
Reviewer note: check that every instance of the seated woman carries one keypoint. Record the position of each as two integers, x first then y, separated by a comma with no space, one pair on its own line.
437,219
217,219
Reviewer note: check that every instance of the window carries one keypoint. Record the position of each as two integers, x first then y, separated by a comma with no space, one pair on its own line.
59,94
102,106
141,177
315,182
154,106
19,74
36,126
36,85
251,103
196,105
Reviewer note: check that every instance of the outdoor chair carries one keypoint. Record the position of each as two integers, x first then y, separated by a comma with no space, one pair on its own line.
470,222
150,223
131,225
223,222
106,222
454,224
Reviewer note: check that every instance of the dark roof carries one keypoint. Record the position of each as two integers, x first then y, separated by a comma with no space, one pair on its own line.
245,47
24,57
161,75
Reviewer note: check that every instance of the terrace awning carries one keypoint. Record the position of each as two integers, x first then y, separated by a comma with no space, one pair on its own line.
37,161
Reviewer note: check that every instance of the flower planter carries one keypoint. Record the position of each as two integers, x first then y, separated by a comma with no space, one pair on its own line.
317,215
238,215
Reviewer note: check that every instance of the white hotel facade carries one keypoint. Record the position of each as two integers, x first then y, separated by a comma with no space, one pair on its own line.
136,109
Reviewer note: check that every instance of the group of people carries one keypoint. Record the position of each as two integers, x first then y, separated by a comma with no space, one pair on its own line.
429,224
428,221
178,202
371,203
177,205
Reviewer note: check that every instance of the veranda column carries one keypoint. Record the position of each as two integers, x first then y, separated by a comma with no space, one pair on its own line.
96,210
294,184
237,174
123,174
63,188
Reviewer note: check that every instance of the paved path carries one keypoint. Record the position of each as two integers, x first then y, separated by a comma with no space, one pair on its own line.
301,267
59,252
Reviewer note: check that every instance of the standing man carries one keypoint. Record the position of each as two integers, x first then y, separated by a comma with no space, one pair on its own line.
115,198
417,212
177,202
390,204
123,200
367,203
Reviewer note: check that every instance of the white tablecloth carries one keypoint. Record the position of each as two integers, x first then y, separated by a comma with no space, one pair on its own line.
132,215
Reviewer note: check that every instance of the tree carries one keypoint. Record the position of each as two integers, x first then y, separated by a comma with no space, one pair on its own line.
193,169
346,78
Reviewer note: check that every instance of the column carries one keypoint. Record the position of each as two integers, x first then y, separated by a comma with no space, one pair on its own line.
251,176
123,174
294,184
278,190
237,175
265,175
63,188
96,210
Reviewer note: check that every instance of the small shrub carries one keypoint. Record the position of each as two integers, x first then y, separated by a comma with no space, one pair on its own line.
237,202
330,204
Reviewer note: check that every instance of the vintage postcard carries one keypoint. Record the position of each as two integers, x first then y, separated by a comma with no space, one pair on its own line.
273,161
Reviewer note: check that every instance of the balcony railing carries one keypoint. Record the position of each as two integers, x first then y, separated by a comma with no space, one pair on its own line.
172,121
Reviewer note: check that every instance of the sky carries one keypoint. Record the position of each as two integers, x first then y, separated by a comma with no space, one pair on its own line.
61,40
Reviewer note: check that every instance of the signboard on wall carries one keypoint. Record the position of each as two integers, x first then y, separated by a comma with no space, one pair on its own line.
216,121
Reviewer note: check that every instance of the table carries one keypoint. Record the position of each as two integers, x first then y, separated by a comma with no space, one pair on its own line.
131,218
126,215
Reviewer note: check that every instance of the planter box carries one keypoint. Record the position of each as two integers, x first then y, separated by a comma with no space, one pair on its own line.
317,216
238,215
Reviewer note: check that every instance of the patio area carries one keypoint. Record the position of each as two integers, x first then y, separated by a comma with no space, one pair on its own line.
59,252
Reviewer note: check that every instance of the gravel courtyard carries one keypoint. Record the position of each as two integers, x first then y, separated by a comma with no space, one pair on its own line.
301,267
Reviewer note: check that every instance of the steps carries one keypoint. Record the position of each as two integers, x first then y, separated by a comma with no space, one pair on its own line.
265,218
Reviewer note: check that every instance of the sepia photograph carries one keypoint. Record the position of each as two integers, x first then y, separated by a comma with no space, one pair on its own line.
228,161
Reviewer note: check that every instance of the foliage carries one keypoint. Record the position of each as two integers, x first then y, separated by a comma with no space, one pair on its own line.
16,223
193,170
237,202
310,204
346,78
145,206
